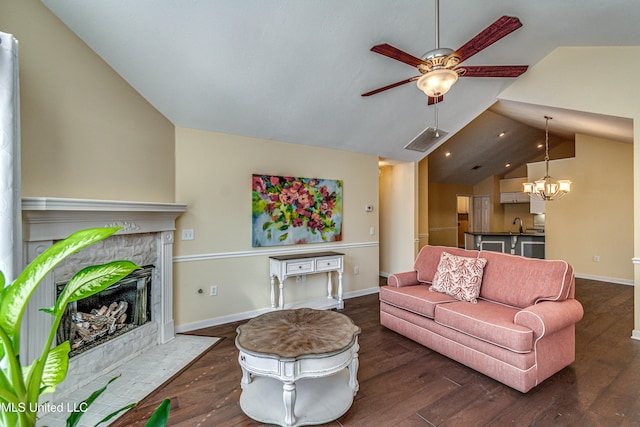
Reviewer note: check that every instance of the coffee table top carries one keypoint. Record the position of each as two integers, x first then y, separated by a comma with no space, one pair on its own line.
297,333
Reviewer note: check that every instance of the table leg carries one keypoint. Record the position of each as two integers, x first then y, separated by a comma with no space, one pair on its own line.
289,398
329,285
341,304
273,291
281,295
353,374
246,377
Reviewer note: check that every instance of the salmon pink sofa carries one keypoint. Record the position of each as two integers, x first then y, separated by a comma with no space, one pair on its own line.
506,316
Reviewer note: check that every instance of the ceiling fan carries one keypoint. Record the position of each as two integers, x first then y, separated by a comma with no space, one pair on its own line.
439,67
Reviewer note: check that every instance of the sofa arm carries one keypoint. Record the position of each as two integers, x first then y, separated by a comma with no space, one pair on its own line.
547,317
407,278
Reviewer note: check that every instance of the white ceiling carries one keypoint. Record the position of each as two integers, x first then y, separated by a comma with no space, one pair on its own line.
293,70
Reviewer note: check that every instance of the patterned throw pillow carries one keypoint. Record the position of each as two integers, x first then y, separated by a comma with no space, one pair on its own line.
459,277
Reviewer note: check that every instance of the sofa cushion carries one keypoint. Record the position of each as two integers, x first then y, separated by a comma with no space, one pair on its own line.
521,282
487,321
459,276
417,299
428,259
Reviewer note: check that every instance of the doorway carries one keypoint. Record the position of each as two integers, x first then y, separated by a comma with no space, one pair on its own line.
463,217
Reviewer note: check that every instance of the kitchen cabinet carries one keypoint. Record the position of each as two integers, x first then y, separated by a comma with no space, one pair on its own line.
514,197
531,245
537,206
512,185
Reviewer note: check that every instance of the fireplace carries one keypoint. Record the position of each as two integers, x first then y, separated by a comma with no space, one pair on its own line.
146,238
114,311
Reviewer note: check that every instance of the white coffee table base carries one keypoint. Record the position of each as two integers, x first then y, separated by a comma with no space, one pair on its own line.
299,367
318,400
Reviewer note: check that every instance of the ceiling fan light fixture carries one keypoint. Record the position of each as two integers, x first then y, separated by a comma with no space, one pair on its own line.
437,82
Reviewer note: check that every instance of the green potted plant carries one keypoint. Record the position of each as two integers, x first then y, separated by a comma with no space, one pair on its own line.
21,386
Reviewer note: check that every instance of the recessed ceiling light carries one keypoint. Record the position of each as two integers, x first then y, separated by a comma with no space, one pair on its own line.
540,145
508,165
501,134
447,154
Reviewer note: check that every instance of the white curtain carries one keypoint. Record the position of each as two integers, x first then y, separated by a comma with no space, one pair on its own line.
10,194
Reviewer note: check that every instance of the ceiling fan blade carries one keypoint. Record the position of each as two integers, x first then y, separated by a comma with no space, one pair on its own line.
494,32
492,70
432,100
391,86
395,53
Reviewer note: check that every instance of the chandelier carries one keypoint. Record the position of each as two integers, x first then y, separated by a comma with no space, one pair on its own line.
547,188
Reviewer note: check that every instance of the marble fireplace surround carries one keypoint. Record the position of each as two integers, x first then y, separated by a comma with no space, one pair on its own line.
147,237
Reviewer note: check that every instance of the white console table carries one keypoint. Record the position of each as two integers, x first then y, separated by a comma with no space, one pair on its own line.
284,266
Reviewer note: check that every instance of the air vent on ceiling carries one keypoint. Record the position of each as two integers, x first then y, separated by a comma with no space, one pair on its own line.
476,167
426,140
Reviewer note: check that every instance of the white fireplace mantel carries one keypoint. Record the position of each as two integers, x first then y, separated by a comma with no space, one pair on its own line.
46,220
50,218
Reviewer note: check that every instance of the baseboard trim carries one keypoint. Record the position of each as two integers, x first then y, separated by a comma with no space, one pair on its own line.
215,321
605,279
635,335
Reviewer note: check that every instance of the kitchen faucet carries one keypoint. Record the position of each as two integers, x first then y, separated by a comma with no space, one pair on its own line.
518,219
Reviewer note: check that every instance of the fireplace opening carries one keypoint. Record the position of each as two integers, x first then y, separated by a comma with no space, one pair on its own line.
120,308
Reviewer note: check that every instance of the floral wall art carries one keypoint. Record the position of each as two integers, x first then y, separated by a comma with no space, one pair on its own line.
293,211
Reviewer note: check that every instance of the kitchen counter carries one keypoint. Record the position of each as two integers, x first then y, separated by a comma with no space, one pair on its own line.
528,244
506,233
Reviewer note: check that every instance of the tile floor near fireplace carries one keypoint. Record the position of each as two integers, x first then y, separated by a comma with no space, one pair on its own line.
140,376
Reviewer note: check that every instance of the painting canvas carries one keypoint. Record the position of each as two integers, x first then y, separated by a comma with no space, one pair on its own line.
293,211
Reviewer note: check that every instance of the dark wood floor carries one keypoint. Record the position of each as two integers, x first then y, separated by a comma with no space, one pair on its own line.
405,384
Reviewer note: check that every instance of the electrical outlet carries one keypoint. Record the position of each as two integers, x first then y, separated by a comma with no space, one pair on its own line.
188,234
301,278
356,270
596,258
214,291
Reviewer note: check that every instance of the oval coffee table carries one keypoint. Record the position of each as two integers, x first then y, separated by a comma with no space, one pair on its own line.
299,367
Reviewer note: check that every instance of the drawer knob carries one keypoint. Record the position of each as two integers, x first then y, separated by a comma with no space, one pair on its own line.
300,266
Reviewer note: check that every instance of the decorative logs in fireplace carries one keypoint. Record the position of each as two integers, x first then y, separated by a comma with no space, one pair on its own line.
98,323
118,309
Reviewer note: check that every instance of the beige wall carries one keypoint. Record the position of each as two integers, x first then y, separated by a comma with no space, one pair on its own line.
554,82
213,177
423,203
399,216
85,132
596,217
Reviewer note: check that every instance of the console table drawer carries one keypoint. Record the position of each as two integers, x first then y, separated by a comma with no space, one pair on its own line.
300,267
327,264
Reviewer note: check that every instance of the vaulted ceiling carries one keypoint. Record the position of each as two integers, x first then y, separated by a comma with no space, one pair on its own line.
293,70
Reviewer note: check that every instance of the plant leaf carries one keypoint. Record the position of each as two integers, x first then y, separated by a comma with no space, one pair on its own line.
55,367
160,416
74,418
16,296
116,412
91,280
